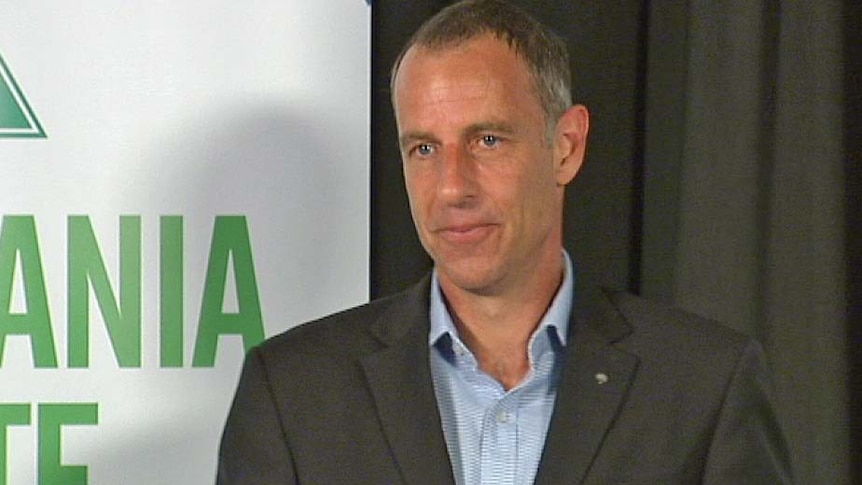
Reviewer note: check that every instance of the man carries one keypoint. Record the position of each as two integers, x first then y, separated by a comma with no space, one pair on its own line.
495,368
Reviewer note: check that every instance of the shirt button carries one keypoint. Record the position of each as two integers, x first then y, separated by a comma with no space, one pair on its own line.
502,417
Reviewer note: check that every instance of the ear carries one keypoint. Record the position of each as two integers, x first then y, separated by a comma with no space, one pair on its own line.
570,143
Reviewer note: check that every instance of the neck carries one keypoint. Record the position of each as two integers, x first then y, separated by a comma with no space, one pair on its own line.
497,328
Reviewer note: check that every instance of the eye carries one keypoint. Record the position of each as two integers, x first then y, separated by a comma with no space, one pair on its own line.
490,141
423,149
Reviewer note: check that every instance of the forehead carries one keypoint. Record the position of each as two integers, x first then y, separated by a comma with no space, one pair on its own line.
484,66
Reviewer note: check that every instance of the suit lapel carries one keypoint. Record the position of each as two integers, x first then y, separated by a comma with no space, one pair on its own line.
399,377
595,380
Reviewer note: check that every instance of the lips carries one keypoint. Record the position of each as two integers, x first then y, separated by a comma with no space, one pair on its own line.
465,233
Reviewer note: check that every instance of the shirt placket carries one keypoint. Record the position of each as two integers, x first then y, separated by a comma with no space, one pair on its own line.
500,443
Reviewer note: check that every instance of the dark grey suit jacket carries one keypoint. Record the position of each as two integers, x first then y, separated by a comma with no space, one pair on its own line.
349,399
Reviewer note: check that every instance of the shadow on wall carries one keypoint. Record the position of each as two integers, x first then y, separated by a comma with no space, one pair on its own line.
286,170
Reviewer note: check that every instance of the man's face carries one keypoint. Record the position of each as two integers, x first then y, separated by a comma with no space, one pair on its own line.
484,188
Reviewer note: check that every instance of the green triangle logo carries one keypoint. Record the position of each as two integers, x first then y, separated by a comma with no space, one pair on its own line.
17,120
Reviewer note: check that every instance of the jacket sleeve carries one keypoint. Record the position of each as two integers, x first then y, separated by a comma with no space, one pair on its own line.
254,449
748,446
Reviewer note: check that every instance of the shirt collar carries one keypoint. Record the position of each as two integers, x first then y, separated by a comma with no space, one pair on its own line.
555,320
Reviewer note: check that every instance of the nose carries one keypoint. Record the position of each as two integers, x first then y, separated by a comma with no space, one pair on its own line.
457,176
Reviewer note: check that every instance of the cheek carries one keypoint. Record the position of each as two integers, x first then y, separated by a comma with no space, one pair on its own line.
417,195
538,193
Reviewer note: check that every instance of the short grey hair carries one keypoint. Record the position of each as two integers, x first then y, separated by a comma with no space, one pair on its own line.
544,53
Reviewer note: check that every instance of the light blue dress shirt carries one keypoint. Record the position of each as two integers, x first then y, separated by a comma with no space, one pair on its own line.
494,436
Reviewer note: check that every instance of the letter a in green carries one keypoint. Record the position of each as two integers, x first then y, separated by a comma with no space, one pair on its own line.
18,238
230,238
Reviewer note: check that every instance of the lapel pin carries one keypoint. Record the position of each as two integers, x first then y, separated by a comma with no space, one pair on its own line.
601,378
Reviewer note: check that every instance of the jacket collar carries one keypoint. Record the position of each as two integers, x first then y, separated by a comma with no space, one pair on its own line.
595,382
399,377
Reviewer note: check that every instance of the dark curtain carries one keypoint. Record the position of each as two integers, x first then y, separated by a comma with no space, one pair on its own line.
852,26
745,206
723,176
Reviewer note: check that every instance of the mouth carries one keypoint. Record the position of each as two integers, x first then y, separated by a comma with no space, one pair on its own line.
465,233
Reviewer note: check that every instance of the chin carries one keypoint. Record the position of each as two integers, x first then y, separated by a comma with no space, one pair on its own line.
469,278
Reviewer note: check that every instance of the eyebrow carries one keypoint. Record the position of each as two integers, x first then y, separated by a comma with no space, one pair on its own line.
412,136
500,127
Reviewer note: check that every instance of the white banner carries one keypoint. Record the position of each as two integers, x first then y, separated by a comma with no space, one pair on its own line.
178,180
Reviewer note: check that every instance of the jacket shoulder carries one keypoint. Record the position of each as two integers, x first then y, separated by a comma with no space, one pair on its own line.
335,333
358,330
674,327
